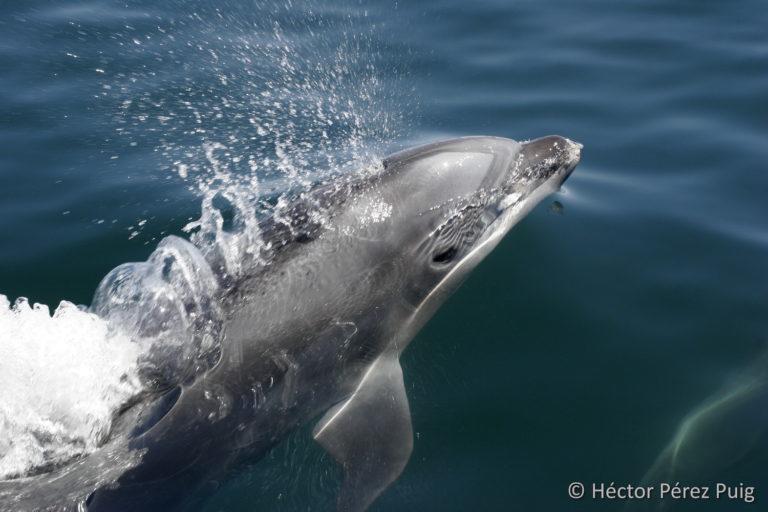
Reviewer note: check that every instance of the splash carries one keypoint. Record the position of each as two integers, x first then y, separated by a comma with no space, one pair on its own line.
166,306
283,99
62,377
248,112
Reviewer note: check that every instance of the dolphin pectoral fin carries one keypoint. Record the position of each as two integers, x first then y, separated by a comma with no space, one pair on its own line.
369,434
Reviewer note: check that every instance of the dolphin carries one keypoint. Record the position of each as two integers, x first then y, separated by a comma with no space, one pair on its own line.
721,436
317,330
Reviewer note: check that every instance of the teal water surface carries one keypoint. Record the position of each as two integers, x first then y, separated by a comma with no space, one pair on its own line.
574,352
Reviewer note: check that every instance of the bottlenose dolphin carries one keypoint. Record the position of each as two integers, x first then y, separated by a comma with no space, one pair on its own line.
728,430
318,330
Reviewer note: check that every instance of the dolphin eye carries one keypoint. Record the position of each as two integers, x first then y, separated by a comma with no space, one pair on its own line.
551,169
445,256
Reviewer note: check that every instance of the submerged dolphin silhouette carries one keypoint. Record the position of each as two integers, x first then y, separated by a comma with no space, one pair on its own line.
319,330
729,429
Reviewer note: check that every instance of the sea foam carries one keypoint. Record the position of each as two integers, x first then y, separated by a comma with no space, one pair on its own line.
62,377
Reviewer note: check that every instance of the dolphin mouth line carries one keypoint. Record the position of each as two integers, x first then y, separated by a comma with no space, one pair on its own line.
514,206
507,218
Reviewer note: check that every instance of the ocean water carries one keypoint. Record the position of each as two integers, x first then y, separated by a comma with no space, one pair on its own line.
574,353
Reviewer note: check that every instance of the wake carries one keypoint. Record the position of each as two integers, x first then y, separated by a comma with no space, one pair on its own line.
62,377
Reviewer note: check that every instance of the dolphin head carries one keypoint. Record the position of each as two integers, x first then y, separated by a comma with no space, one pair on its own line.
539,160
458,198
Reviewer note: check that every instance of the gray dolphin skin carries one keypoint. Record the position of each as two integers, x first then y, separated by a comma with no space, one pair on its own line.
317,332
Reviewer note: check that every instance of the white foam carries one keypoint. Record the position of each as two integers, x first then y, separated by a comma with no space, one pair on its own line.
62,377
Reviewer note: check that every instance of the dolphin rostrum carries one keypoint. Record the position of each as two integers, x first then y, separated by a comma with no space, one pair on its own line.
316,329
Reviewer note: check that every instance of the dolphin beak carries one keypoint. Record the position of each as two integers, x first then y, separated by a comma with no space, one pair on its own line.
573,158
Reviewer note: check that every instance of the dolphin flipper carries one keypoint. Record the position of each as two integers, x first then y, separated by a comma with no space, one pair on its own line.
369,434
